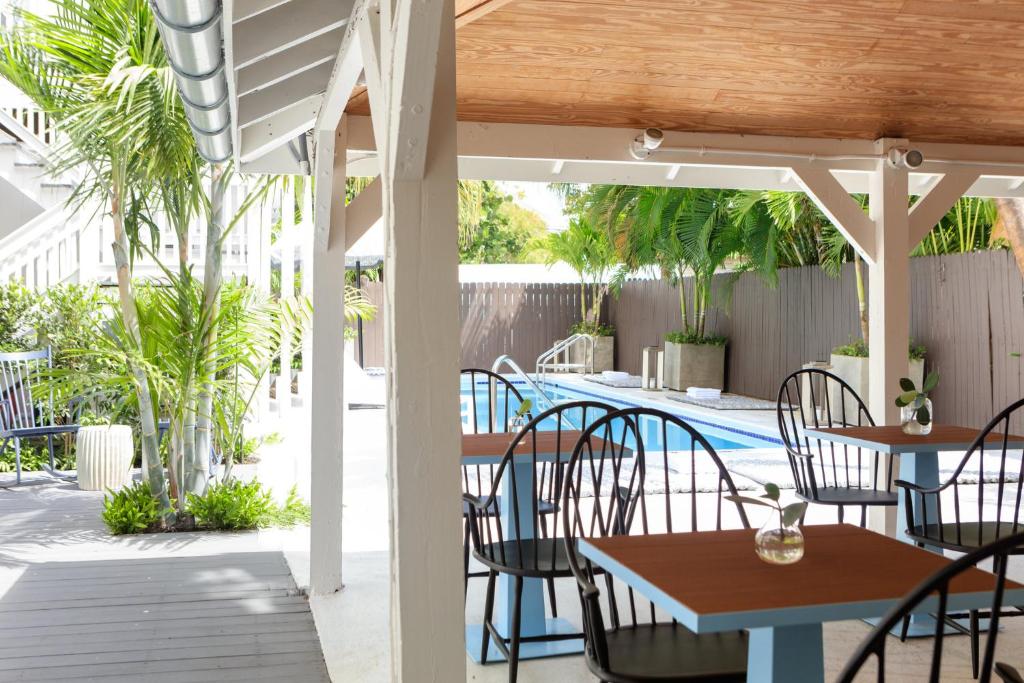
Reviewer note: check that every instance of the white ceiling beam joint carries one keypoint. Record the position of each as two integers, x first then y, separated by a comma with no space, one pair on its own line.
262,104
279,129
929,209
363,212
672,172
840,208
557,166
285,26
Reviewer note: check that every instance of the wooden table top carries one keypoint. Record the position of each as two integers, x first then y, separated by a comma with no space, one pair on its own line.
491,447
891,439
714,581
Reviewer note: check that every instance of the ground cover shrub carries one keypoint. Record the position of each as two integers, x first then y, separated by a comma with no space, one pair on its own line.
131,510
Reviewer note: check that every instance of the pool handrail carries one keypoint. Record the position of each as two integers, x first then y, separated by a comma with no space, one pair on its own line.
539,393
549,359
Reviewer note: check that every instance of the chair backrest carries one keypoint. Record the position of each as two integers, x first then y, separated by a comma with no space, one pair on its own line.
992,472
493,401
638,471
21,377
813,398
538,454
938,585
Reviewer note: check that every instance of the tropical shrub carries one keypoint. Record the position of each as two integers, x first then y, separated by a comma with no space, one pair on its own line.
682,337
588,250
593,329
131,510
859,349
294,511
231,506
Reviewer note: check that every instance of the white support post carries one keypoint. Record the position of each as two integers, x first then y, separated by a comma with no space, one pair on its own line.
306,289
327,408
837,204
287,242
934,204
888,308
422,356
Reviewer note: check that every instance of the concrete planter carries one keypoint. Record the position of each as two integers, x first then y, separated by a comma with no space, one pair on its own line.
104,454
604,354
854,371
694,365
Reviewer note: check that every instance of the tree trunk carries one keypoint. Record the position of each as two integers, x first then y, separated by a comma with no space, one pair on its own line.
212,277
153,471
682,302
1011,227
862,301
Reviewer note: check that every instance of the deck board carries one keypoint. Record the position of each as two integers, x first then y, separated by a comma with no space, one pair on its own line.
160,615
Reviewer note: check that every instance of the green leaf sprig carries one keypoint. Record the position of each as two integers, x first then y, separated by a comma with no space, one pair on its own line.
910,396
788,515
524,408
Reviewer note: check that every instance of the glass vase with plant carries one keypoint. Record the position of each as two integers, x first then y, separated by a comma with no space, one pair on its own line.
915,406
779,540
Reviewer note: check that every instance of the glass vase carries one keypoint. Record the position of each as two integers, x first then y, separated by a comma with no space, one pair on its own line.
778,544
908,418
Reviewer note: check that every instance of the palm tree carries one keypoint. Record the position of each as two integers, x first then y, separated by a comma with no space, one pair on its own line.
683,231
98,68
589,252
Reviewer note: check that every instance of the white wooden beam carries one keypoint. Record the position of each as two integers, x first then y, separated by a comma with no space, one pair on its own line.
934,204
262,104
421,310
279,161
376,90
363,212
320,50
327,389
279,129
282,27
478,10
840,208
348,64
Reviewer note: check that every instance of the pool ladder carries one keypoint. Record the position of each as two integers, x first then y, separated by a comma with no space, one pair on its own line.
540,395
556,359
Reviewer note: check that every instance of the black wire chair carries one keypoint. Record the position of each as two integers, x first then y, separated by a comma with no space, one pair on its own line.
497,543
939,583
825,472
614,464
940,517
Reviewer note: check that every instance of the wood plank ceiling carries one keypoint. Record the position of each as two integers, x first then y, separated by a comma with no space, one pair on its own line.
929,70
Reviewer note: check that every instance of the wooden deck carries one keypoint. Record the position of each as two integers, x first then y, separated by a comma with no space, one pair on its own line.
77,604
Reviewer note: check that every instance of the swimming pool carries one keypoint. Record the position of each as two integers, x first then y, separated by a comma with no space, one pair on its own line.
721,437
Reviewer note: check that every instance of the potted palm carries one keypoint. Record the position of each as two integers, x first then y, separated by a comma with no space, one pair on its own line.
588,251
688,235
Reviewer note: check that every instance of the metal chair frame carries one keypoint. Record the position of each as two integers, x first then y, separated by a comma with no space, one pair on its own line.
824,469
874,644
22,414
625,508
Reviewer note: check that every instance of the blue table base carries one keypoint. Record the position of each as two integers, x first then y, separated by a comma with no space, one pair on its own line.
531,650
790,654
923,626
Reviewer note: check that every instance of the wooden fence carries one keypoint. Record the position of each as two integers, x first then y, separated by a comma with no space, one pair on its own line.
968,310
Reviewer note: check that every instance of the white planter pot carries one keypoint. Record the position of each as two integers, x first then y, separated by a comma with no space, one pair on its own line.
104,455
604,354
854,371
694,365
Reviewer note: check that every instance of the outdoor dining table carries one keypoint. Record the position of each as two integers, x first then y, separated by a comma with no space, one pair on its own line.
713,581
918,464
489,449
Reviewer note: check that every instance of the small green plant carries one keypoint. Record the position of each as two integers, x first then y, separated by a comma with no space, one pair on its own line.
858,349
593,329
524,407
917,400
684,337
788,515
131,510
294,511
232,506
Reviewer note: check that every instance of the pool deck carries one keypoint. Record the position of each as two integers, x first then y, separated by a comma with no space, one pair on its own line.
753,428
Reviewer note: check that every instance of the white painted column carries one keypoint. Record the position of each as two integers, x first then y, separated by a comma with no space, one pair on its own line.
286,240
422,355
888,306
306,261
327,342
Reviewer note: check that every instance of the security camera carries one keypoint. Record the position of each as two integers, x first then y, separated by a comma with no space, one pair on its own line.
653,138
642,144
906,158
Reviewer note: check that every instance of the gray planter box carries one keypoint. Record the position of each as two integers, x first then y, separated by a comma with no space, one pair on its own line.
694,365
854,371
604,354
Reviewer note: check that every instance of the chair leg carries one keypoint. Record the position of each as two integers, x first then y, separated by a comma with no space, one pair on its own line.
551,598
465,561
513,650
975,638
841,513
863,516
485,638
904,629
17,461
49,445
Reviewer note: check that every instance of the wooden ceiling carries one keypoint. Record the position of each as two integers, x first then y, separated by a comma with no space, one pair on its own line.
928,70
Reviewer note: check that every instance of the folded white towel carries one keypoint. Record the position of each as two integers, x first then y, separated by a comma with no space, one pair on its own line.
703,392
614,375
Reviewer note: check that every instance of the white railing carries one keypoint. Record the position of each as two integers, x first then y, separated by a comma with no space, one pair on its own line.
559,357
35,121
44,251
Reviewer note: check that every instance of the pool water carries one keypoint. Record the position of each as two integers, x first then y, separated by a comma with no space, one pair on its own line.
678,440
